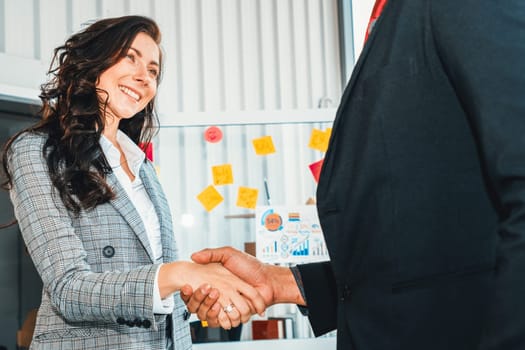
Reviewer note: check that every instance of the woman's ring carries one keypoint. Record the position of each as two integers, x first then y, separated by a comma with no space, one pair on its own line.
228,308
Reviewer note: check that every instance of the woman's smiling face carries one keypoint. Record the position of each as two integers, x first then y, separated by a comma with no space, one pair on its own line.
131,83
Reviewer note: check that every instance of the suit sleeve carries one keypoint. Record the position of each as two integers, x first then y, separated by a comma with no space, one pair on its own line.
482,48
321,296
58,254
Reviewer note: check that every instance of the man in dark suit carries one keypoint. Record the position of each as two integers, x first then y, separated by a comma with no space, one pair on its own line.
422,193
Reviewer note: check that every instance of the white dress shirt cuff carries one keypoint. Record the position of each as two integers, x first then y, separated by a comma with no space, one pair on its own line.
161,306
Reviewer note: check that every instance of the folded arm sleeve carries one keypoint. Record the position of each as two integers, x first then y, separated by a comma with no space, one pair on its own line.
321,295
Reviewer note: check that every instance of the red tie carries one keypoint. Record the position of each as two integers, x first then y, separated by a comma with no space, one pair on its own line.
378,7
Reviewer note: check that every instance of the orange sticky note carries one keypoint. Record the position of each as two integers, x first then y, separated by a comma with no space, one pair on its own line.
263,145
247,197
315,168
222,174
210,198
319,139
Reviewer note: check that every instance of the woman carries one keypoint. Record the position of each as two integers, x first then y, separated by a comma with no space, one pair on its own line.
91,210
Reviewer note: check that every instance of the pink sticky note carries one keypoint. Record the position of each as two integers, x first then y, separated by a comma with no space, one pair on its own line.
148,149
213,134
315,168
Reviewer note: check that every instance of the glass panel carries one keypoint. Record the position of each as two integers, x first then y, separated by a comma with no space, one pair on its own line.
185,161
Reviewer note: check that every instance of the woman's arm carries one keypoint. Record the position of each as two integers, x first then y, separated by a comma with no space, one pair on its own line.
81,291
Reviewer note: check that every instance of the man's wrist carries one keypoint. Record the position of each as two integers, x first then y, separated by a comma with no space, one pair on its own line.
285,288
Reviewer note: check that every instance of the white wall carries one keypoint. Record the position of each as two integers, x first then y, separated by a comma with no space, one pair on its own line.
361,10
221,55
282,344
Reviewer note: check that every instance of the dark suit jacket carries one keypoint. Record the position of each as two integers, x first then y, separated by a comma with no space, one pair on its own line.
422,192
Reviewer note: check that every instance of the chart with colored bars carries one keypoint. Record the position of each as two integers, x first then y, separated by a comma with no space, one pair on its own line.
289,235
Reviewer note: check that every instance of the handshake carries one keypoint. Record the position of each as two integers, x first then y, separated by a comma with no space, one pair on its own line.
226,286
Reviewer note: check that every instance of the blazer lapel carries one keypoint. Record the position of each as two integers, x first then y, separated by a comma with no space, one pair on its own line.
160,202
125,207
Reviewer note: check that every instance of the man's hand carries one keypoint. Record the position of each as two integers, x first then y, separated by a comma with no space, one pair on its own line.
275,284
245,266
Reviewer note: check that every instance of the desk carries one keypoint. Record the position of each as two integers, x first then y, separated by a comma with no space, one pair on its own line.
328,343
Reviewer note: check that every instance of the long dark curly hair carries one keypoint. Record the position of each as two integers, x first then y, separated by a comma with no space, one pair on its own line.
72,115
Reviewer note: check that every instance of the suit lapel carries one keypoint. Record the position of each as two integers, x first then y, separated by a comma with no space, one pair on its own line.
359,64
125,207
340,115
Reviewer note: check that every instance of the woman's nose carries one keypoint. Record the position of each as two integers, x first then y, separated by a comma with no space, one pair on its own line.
141,74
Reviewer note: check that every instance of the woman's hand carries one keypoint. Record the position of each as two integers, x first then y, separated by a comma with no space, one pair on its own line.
203,302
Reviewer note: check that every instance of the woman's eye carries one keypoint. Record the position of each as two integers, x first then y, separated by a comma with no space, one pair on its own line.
154,73
131,57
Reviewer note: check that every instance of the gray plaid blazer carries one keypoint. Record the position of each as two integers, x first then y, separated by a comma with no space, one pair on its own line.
97,269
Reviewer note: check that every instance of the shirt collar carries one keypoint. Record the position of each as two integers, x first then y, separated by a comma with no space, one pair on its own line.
134,155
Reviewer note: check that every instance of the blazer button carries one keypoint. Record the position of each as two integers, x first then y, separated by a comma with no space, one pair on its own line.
186,315
108,251
345,295
146,324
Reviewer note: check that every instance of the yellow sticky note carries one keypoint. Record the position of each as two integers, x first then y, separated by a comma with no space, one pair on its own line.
222,174
319,139
210,198
247,197
263,145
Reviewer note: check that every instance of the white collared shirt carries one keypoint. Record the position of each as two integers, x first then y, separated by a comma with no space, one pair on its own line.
139,197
